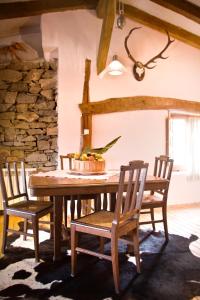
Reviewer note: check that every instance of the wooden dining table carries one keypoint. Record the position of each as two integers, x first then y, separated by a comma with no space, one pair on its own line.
57,185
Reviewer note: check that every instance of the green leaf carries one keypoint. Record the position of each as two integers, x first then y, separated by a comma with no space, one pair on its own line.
106,147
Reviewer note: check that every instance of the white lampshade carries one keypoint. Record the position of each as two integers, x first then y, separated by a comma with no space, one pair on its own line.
115,67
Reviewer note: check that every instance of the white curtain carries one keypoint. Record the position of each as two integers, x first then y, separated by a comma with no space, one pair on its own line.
193,147
184,145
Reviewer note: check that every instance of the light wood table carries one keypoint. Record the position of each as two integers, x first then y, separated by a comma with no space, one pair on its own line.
61,186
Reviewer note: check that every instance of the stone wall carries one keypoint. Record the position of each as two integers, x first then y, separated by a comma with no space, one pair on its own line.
28,115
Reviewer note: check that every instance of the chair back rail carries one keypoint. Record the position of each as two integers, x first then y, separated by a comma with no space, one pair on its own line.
163,168
15,178
128,206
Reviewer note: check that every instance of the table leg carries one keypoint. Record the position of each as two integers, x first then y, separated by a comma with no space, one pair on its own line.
57,201
112,201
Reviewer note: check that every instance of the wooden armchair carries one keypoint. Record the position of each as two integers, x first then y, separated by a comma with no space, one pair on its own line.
16,203
112,225
158,199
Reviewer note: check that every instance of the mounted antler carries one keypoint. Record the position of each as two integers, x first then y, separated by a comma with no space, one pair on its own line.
139,67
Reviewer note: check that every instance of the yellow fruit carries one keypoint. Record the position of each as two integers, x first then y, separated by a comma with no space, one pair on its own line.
76,155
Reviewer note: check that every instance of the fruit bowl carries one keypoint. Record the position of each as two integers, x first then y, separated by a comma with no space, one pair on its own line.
90,160
89,166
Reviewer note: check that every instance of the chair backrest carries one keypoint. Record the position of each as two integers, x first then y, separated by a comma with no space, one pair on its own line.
163,168
132,180
69,163
13,182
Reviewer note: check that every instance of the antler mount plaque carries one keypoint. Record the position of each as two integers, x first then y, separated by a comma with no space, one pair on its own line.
139,67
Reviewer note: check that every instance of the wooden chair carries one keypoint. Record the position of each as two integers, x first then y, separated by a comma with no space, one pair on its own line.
113,225
16,203
158,199
85,207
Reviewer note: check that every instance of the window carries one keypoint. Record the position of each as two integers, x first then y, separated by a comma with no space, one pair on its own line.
184,143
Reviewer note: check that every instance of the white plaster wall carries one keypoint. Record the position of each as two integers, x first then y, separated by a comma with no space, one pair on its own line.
76,35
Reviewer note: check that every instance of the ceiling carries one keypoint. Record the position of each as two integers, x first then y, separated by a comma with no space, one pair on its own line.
13,26
181,18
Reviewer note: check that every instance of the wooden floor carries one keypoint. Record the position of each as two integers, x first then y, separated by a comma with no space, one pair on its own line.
183,220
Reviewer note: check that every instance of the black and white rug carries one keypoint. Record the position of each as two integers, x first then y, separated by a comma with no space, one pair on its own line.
170,272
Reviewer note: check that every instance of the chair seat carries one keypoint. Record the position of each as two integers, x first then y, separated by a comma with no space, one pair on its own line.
150,200
32,207
101,218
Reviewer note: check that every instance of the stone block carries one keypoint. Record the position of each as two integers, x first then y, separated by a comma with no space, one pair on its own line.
5,123
28,116
7,116
36,131
1,137
54,144
19,87
25,65
10,97
4,153
46,105
18,153
33,75
26,98
3,85
2,95
38,125
36,157
29,138
18,144
21,107
43,145
47,84
48,94
10,134
35,90
49,74
52,131
10,75
48,119
4,107
21,125
30,144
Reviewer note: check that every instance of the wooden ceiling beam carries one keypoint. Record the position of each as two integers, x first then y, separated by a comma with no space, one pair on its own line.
101,8
106,33
155,23
138,103
33,8
183,7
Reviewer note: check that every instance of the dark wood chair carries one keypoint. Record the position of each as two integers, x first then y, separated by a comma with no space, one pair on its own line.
77,206
16,203
158,199
113,225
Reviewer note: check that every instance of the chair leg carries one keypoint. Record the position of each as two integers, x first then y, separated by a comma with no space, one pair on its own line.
79,204
164,212
25,228
51,225
74,240
136,249
65,211
72,207
115,263
152,218
36,238
101,245
5,227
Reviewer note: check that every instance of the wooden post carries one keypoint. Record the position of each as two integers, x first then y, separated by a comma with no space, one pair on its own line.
86,119
86,126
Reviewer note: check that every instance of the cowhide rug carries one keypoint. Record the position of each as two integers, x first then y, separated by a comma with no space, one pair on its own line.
169,272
